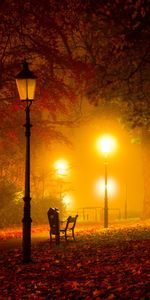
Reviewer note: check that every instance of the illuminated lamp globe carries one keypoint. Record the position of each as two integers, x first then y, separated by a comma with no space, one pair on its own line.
26,83
106,144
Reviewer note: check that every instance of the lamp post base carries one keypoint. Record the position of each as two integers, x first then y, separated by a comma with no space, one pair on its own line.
26,242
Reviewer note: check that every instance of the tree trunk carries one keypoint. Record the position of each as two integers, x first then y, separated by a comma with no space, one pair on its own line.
146,172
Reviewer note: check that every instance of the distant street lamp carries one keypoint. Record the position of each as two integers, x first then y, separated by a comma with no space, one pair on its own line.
26,83
67,200
61,167
106,144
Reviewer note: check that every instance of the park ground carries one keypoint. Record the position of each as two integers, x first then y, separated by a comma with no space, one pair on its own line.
111,263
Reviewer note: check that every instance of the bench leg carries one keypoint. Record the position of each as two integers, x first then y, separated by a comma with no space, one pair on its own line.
50,238
66,235
57,238
73,234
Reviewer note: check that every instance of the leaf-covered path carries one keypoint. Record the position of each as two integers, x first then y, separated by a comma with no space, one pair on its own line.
101,264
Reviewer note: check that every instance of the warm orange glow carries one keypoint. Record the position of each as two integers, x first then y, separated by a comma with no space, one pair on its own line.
99,187
67,200
106,144
124,165
61,167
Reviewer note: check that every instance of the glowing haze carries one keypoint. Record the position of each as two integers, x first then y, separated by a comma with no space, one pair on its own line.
61,167
87,161
106,144
99,188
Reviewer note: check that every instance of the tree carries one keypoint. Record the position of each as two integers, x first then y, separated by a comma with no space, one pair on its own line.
116,41
91,49
8,203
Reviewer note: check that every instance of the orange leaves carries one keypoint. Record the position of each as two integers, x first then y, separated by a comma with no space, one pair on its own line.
74,284
6,234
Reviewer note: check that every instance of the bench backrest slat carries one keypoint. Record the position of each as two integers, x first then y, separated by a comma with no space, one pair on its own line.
71,222
53,218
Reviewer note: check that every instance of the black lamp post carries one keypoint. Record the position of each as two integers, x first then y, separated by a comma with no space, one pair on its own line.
26,83
106,144
106,196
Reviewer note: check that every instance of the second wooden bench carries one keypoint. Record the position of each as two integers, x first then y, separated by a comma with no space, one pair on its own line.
57,227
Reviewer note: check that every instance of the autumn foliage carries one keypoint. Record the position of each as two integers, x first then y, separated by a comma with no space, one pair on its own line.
96,50
100,264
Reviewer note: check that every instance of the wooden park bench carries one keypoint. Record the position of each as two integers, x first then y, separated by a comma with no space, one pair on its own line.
57,227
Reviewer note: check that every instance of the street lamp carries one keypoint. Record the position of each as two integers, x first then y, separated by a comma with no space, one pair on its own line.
106,145
26,83
61,167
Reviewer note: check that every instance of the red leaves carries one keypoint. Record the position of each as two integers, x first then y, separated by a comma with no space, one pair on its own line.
101,264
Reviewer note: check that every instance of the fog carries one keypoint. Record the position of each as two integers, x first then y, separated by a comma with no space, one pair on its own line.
87,167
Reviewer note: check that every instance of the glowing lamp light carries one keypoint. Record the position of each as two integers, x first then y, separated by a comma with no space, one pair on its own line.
67,200
99,187
61,167
106,144
26,83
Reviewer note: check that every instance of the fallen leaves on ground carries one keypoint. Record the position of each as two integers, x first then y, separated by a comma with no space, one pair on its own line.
101,264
